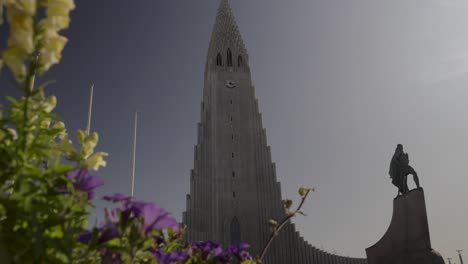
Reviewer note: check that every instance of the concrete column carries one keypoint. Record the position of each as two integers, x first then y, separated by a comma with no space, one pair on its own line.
322,257
301,250
309,254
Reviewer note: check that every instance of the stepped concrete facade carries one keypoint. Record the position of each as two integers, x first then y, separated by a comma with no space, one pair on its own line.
234,189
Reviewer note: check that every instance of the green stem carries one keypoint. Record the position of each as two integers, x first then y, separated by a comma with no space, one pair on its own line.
275,232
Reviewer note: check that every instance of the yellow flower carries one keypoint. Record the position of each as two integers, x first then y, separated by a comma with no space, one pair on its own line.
45,123
59,125
58,7
13,133
14,58
55,23
66,147
51,51
96,161
24,6
81,136
89,144
50,104
21,31
1,14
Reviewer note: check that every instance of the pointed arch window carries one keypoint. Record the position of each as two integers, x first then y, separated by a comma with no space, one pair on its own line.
229,58
235,232
219,60
239,61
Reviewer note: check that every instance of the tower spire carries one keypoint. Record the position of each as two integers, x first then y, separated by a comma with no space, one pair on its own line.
226,33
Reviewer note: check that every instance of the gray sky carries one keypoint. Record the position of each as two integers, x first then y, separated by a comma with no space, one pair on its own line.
339,84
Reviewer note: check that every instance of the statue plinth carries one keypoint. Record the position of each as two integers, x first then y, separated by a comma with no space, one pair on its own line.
407,239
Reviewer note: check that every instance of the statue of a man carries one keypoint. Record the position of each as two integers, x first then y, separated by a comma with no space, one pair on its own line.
400,169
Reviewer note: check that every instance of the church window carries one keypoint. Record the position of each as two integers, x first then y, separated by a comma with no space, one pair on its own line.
233,174
231,101
219,60
239,61
229,58
232,154
234,194
232,137
235,232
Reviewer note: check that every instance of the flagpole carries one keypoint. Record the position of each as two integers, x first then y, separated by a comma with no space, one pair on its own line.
134,153
88,127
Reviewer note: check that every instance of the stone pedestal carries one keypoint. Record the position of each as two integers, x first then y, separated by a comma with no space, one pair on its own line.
407,239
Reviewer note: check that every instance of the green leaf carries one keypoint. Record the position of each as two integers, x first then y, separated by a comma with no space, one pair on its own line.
302,191
287,203
54,232
62,168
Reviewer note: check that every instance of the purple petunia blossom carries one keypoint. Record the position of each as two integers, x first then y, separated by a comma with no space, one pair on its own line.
112,216
83,181
108,232
118,197
154,217
85,237
240,251
168,258
109,257
209,250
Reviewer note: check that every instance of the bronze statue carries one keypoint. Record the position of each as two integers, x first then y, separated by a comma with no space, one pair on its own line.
400,169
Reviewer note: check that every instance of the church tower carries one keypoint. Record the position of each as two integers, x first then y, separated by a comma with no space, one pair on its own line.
234,190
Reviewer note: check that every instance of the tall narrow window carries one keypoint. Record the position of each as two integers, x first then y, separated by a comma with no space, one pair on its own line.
233,194
233,174
231,101
239,61
235,232
219,60
229,58
232,155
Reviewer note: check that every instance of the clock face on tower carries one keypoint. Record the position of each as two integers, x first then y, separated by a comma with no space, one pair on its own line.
230,84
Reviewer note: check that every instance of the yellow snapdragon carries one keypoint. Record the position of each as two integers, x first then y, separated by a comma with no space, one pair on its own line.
13,57
28,7
21,31
96,161
25,36
88,145
50,103
58,7
51,50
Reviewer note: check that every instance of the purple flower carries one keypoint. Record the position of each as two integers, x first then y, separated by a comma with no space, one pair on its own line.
112,216
154,217
83,181
108,232
168,258
240,251
158,240
109,257
209,250
85,237
118,197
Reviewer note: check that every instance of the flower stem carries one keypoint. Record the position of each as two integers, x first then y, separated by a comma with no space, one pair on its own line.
275,232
